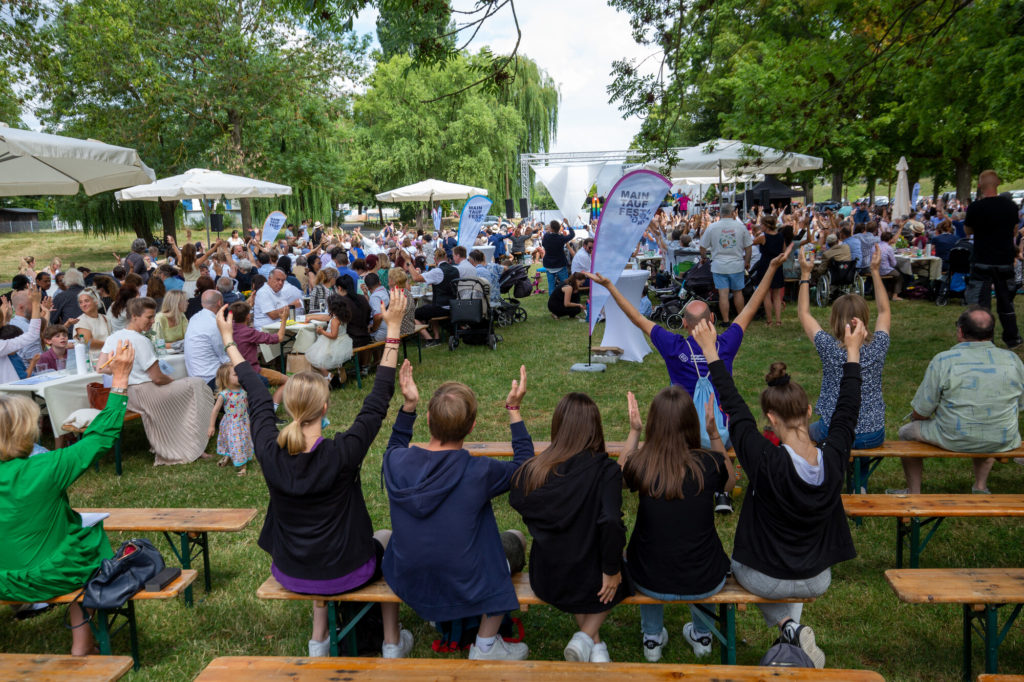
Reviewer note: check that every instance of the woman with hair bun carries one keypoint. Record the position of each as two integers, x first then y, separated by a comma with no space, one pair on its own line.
317,529
792,528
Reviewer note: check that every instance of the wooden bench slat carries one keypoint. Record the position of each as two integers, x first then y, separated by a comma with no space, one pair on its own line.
379,591
956,505
957,585
909,448
401,670
176,520
47,668
1000,678
176,587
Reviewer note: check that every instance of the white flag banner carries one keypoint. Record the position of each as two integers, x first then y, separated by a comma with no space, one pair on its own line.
627,212
272,225
471,218
568,186
607,178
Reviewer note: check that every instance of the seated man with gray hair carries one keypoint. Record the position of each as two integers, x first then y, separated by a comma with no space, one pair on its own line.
204,350
968,400
226,287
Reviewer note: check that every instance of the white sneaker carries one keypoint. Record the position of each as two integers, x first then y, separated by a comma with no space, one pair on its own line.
803,637
400,650
501,651
701,645
599,654
579,647
319,649
653,646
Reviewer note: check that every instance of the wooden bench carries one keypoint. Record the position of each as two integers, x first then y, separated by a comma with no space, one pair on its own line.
731,597
191,525
47,668
924,510
1000,678
272,668
980,591
909,448
103,621
414,334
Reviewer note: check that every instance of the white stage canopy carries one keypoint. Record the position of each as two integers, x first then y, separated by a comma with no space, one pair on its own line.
569,186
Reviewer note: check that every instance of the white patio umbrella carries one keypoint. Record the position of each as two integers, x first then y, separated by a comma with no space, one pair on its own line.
430,190
729,160
901,200
203,184
40,163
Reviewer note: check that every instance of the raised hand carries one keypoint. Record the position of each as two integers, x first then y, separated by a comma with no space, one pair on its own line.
598,278
779,260
635,422
121,363
395,311
707,339
876,258
806,259
408,385
710,425
853,339
518,390
225,325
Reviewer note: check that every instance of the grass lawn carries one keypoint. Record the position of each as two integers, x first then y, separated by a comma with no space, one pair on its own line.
859,622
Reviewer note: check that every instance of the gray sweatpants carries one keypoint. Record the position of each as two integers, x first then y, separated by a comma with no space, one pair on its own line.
773,588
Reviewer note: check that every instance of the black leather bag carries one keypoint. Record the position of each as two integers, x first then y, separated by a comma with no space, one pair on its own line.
118,579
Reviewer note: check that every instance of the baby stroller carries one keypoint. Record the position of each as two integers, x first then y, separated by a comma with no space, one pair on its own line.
669,310
699,284
471,316
515,282
954,282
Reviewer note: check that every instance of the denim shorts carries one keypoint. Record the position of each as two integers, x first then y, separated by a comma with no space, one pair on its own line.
732,281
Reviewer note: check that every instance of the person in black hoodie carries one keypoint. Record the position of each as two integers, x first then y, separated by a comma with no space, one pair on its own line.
570,496
446,558
792,528
674,552
317,529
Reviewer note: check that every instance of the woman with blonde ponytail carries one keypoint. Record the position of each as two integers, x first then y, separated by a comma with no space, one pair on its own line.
317,530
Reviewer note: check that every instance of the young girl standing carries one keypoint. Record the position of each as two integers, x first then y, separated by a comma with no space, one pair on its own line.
234,442
570,496
674,553
333,345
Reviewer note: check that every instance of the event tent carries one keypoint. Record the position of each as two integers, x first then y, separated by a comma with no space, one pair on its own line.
39,163
203,184
727,160
430,190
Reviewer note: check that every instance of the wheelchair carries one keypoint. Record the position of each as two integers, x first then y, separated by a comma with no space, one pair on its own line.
840,278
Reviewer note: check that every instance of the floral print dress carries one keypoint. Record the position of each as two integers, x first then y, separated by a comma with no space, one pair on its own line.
234,439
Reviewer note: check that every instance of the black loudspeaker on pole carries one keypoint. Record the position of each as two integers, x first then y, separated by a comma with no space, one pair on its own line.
510,209
216,222
524,208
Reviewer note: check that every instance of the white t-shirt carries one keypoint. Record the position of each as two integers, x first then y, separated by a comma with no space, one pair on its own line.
268,301
727,241
145,355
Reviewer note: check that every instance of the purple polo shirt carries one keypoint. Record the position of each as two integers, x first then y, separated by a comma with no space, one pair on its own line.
684,358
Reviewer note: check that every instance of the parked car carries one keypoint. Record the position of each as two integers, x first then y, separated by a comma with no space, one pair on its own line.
1018,197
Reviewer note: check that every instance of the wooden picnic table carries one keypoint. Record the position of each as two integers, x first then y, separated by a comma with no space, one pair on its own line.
55,668
924,510
980,591
190,523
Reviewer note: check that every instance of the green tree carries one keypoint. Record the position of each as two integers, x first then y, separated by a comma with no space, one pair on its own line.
235,86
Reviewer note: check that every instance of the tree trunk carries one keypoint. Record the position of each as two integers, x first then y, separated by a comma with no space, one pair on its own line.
808,192
963,174
143,229
871,189
167,209
235,121
837,184
246,205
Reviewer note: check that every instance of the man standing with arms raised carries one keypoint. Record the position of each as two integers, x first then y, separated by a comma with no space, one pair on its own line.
729,244
992,220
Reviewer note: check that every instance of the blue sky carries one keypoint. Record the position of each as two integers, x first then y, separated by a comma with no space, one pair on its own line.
575,41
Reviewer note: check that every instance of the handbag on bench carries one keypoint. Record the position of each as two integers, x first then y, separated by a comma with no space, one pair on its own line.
118,579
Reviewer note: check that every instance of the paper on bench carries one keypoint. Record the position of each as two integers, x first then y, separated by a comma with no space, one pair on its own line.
90,519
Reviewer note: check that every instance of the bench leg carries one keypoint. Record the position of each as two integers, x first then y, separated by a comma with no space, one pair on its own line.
101,631
348,633
967,643
184,549
133,633
723,628
359,371
332,626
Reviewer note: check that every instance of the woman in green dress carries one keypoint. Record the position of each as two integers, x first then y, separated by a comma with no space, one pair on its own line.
47,552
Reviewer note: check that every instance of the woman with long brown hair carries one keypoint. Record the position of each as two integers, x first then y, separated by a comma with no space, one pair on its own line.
674,553
570,496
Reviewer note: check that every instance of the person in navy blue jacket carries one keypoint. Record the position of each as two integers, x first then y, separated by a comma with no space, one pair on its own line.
446,558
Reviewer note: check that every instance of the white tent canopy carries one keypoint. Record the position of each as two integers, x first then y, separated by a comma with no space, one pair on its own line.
569,186
200,183
729,160
430,190
39,163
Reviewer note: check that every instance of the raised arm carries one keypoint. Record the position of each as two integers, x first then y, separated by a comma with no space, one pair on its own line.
803,299
636,425
631,312
884,320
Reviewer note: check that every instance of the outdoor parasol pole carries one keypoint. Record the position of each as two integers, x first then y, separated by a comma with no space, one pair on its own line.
588,366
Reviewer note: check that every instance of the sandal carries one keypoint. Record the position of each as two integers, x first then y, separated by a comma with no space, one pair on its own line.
241,471
223,461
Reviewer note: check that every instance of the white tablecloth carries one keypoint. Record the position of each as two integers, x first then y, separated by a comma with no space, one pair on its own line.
304,334
908,264
618,330
64,393
488,252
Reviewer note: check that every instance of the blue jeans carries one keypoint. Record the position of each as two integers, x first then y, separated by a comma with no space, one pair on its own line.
652,616
863,441
556,276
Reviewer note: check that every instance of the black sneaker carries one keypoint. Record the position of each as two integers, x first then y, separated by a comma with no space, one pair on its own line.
1015,344
803,636
431,343
723,503
724,324
280,421
27,611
